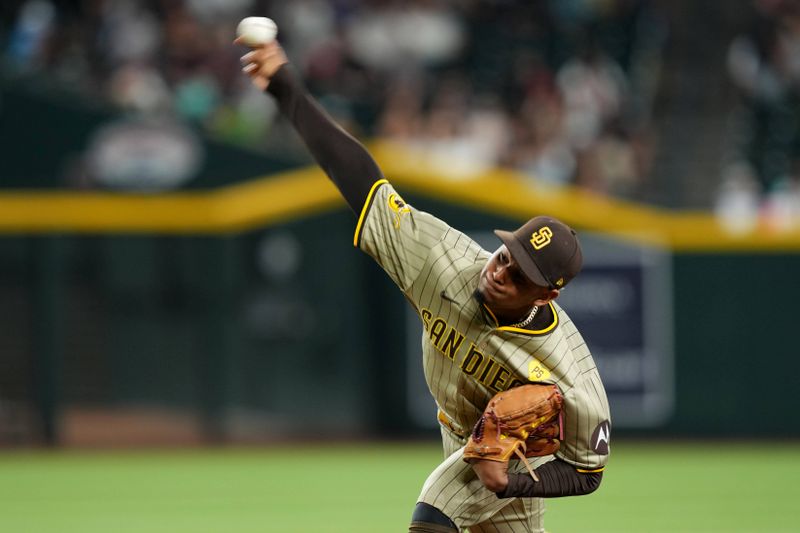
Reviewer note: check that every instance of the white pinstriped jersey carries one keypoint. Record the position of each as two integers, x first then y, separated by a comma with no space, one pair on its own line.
467,356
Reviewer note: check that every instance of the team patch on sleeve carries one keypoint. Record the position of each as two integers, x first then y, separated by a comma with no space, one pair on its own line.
398,206
601,437
537,371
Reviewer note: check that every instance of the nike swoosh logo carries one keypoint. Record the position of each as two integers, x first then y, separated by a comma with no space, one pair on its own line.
446,297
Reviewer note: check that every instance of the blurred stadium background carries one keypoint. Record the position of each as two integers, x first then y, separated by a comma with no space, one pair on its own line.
175,273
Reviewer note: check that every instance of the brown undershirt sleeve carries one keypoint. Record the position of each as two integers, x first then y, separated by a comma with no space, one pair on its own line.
345,160
557,479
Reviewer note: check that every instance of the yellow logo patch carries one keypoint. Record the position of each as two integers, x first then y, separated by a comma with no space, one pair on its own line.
541,238
399,206
537,371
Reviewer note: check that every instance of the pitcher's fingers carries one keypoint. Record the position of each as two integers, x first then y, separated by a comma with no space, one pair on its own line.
240,41
249,57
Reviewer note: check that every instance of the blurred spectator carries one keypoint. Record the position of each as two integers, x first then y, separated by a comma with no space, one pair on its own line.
139,87
394,36
763,157
33,28
594,89
311,28
128,32
540,145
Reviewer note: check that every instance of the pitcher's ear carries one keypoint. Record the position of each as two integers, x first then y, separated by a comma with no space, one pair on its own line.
551,295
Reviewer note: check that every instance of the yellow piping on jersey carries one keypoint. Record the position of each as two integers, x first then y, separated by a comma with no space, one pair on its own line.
582,471
496,322
548,329
365,207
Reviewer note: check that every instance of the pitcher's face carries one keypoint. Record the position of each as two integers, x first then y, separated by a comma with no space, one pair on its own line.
506,290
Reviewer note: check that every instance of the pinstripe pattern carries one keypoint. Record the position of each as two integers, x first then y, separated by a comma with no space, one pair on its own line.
468,358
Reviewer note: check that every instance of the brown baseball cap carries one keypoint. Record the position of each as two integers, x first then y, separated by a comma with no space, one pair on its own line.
546,249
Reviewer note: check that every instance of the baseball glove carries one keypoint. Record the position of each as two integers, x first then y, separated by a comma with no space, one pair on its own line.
525,421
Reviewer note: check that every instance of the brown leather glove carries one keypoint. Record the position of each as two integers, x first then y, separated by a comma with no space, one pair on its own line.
525,421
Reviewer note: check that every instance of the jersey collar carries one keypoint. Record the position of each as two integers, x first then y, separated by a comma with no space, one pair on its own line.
542,331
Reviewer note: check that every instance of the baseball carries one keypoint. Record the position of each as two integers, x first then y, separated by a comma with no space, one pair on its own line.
257,31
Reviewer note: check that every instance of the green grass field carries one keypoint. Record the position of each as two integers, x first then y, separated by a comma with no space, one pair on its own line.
730,487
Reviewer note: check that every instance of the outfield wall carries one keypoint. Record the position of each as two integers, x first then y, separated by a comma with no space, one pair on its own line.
111,311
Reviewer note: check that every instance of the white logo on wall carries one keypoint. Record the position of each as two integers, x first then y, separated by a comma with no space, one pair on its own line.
144,155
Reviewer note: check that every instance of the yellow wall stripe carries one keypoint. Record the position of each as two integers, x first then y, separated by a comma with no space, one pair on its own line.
230,209
296,194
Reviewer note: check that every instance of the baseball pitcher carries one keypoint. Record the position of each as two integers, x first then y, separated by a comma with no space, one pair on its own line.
523,412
